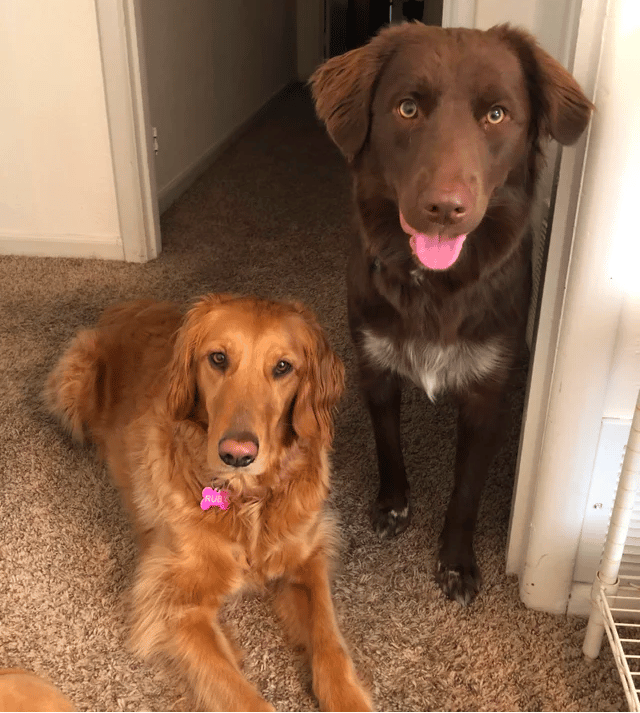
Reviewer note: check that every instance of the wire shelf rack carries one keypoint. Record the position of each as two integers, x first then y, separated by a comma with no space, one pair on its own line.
621,615
616,590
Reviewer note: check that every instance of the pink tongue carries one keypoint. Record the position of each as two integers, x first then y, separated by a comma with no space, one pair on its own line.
433,251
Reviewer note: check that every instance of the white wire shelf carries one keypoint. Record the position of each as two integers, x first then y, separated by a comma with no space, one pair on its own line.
616,589
621,615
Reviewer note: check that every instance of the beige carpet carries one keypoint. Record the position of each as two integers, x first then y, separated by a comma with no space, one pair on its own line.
272,218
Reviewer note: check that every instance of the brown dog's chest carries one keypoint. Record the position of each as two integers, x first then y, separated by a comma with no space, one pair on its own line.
436,367
440,340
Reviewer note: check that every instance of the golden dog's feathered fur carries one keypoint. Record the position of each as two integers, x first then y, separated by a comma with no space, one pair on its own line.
147,388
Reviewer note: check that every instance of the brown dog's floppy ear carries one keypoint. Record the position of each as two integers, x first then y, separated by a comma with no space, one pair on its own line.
561,103
321,386
342,89
181,398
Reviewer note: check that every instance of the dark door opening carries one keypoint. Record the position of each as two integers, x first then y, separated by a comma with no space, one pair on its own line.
350,23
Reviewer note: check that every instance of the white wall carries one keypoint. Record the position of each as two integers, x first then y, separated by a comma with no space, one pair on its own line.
57,193
553,22
211,64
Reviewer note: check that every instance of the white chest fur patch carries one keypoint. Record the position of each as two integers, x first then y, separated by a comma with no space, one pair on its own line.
433,367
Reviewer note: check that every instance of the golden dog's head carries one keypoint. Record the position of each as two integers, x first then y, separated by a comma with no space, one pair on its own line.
259,375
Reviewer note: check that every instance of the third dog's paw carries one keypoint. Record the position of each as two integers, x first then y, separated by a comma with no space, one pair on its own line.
389,521
458,582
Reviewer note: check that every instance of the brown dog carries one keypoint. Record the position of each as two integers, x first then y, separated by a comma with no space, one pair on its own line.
442,130
236,398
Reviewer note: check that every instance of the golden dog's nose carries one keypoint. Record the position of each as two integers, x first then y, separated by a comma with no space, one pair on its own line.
238,449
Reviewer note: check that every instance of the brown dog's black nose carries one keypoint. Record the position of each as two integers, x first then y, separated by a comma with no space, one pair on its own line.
238,449
447,207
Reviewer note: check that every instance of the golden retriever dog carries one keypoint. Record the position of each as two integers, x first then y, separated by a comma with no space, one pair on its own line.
217,427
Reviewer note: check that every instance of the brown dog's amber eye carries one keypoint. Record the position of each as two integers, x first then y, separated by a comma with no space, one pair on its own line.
408,109
281,368
496,115
218,359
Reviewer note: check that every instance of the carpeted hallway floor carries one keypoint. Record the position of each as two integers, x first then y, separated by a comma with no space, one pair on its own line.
271,217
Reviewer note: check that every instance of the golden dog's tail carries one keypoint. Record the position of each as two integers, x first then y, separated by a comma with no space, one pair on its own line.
74,389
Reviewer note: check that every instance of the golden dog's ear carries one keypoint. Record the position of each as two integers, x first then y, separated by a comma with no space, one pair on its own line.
321,386
557,99
181,398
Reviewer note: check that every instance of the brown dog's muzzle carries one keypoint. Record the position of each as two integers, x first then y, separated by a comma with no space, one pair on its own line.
447,205
447,194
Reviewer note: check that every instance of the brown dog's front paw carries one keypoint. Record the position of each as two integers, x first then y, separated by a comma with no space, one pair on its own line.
459,582
390,519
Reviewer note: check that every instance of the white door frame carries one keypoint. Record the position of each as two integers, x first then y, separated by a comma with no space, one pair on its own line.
579,321
124,73
459,13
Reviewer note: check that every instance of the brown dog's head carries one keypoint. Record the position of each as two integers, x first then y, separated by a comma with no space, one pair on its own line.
259,375
441,122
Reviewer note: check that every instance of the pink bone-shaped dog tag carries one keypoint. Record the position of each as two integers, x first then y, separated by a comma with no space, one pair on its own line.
211,497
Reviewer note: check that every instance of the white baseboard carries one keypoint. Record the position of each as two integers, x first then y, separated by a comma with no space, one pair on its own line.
168,194
82,246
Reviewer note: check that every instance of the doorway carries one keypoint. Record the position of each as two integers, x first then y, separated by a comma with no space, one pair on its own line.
350,23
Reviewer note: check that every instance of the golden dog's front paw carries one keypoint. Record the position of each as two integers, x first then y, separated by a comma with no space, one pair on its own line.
346,696
353,700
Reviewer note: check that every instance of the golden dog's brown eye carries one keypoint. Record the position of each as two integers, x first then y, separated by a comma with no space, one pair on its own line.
281,368
218,359
495,115
408,109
